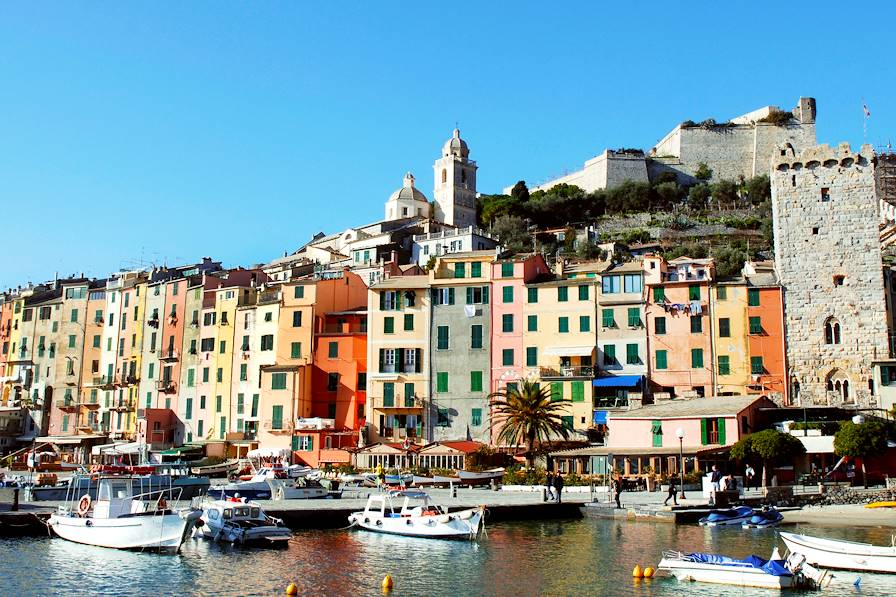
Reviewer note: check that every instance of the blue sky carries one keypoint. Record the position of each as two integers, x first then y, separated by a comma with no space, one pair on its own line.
146,131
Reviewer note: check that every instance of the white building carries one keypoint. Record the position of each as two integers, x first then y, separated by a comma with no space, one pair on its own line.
407,201
450,240
455,184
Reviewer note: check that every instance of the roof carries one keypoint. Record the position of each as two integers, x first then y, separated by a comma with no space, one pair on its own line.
467,255
695,260
455,146
629,266
465,446
402,282
587,266
408,192
696,407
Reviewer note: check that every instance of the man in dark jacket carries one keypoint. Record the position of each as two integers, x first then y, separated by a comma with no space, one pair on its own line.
549,486
558,485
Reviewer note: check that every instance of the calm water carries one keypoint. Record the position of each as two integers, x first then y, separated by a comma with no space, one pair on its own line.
585,557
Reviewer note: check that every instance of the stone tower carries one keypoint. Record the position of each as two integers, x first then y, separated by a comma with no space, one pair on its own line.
455,184
827,252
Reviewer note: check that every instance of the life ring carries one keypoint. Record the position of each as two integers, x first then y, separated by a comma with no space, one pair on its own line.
84,505
407,444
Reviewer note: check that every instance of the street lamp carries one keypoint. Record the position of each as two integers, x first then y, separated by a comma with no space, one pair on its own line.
679,433
858,420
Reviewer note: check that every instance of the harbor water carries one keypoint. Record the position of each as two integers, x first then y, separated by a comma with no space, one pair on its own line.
574,557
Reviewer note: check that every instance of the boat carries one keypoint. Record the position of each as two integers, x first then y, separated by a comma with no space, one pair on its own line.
881,505
151,478
845,555
265,487
417,517
729,516
120,519
752,571
480,477
216,470
235,520
767,517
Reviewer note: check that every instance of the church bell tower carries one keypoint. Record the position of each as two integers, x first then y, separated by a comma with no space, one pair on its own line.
455,184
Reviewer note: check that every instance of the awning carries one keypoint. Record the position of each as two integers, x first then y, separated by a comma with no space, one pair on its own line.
178,451
568,351
618,381
120,449
600,417
68,439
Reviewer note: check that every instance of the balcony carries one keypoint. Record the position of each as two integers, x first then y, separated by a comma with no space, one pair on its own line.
122,405
277,427
394,368
269,298
400,433
344,328
566,372
401,402
67,405
166,386
169,355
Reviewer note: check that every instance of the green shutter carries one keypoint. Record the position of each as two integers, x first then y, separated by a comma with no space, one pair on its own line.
531,356
578,391
584,323
476,417
388,394
451,296
388,325
409,394
532,295
755,325
694,293
634,317
609,354
507,357
442,337
721,431
583,292
607,319
475,381
277,417
563,325
696,358
631,354
704,433
476,269
659,294
460,270
562,294
753,297
662,359
441,381
507,270
469,295
659,325
757,367
532,323
476,336
724,365
657,432
557,391
507,294
408,322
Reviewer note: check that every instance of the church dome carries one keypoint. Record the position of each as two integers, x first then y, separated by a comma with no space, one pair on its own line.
408,192
456,146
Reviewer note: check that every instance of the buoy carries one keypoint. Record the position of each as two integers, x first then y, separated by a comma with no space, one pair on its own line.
292,589
387,583
637,572
648,572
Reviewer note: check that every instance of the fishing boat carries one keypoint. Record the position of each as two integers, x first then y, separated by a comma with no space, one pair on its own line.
845,555
752,571
217,470
767,517
729,516
480,477
265,487
168,478
120,519
236,521
418,517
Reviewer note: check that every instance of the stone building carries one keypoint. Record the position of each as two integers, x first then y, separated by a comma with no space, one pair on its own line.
827,248
455,184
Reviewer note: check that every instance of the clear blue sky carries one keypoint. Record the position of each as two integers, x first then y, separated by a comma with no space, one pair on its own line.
168,131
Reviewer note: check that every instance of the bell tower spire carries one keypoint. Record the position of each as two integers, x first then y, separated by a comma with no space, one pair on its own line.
455,184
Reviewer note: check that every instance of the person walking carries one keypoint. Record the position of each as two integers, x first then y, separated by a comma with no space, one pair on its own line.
716,479
558,485
749,477
617,490
673,492
549,486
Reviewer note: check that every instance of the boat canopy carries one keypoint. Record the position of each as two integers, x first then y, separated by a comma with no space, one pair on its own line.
773,567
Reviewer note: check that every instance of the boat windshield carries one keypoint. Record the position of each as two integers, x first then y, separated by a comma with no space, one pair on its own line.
114,489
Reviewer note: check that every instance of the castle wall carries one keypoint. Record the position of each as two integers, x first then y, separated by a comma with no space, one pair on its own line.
819,237
605,171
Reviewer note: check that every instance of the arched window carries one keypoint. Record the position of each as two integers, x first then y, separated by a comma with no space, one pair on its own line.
831,331
838,383
444,175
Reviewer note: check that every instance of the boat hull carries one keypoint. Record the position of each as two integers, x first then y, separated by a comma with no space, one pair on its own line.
185,488
724,575
162,532
843,555
464,524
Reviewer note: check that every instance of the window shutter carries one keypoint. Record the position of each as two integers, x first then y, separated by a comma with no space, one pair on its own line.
469,295
400,360
418,357
722,431
704,435
382,301
398,298
451,296
485,295
382,359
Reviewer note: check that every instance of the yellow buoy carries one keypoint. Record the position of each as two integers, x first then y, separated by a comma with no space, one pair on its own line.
387,582
292,589
637,572
648,572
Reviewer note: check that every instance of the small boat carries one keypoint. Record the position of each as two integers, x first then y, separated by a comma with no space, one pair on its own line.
480,477
120,519
418,517
215,470
845,555
263,487
236,521
751,571
730,516
767,517
881,505
184,486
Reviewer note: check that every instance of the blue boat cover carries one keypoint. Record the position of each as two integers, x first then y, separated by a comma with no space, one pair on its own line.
773,567
600,417
618,381
739,512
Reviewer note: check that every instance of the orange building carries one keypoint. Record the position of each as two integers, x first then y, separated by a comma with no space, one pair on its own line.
765,308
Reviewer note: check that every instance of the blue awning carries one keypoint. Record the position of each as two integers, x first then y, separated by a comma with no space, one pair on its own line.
618,381
600,417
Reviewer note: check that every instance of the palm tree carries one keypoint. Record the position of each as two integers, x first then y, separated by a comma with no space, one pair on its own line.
527,416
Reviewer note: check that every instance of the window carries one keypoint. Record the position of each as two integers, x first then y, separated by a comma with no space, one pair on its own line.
476,415
506,270
507,357
219,376
662,359
460,270
634,317
333,350
207,344
332,381
409,395
299,292
724,327
563,325
218,404
531,356
362,381
532,323
295,350
269,316
443,420
696,358
189,408
756,366
476,336
267,342
712,431
74,317
296,319
442,337
753,297
659,294
409,322
631,354
609,354
831,331
388,394
656,431
659,326
578,391
507,322
388,325
607,318
755,325
722,293
477,295
562,294
151,371
72,340
475,381
693,293
442,382
583,292
610,284
278,381
584,323
507,294
696,324
443,296
531,295
277,417
390,301
724,365
557,391
825,194
476,269
222,346
205,371
632,283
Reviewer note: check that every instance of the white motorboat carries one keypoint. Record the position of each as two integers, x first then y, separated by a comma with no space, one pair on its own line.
751,571
480,477
237,521
418,517
265,487
121,520
845,555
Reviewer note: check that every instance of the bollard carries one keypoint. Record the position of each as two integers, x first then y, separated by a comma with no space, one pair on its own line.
453,490
15,499
544,494
494,485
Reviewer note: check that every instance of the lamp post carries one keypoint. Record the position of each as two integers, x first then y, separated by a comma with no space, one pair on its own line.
679,433
859,419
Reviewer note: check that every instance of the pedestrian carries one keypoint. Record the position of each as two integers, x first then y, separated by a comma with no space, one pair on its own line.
716,479
749,477
549,486
673,493
558,485
730,483
617,490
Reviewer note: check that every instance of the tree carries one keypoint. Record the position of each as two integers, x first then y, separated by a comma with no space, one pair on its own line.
527,415
725,192
699,195
758,189
511,231
767,446
861,441
569,240
703,172
520,192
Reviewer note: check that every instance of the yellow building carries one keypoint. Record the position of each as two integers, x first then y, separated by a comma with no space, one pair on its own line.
728,306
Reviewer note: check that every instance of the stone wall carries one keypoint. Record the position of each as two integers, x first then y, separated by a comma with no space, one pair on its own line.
827,252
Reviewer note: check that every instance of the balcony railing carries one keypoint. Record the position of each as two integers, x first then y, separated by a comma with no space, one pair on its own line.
122,405
400,433
269,298
166,386
169,355
67,405
565,372
344,328
395,368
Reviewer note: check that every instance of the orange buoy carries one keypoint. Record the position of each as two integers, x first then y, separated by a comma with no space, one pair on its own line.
292,589
387,583
648,572
637,572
